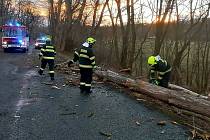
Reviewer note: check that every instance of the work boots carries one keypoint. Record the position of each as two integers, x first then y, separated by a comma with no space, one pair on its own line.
85,90
40,72
88,90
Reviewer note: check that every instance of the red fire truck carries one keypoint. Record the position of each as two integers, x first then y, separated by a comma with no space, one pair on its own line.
14,37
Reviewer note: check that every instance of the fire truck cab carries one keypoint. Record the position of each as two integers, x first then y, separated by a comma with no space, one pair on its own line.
14,37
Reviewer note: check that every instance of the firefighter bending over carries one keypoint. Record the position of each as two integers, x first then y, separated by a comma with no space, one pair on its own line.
160,71
47,56
86,59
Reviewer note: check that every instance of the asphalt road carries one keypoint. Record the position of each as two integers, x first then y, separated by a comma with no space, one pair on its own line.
32,110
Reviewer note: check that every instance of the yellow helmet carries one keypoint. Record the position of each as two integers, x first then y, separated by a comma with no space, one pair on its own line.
90,40
152,60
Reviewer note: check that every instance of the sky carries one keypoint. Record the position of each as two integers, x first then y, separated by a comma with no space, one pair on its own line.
148,6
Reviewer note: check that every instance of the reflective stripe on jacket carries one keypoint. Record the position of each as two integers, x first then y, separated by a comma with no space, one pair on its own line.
162,67
85,56
48,52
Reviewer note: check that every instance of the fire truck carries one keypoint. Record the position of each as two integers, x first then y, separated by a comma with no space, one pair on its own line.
14,37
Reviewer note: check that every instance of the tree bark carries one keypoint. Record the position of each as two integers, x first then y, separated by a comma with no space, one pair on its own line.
133,37
180,98
115,36
160,23
125,32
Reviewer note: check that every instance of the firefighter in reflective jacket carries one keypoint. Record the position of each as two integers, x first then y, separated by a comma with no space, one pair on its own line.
161,69
86,59
47,56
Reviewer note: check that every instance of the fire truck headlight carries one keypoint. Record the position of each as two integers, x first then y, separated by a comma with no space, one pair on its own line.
4,42
21,42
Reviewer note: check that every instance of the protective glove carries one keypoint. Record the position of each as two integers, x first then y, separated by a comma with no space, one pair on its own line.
94,68
154,82
40,56
70,63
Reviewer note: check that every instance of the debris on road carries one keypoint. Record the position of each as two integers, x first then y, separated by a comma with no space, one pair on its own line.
71,81
128,70
173,122
91,114
162,123
105,134
141,99
194,134
162,132
137,123
55,87
47,83
16,116
197,135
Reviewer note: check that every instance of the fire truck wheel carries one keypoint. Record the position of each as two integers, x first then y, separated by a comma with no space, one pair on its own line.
24,50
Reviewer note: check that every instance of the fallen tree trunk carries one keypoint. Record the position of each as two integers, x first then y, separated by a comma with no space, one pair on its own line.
180,98
187,104
175,87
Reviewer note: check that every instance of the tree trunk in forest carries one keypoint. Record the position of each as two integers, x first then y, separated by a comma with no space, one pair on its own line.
2,12
79,18
160,23
125,32
95,25
114,33
133,37
187,40
68,24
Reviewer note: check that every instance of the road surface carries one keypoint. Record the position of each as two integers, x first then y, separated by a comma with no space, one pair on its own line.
32,110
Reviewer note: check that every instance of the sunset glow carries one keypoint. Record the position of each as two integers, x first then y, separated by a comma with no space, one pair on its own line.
145,11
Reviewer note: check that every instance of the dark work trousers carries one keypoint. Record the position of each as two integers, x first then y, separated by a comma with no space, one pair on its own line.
165,80
50,63
86,79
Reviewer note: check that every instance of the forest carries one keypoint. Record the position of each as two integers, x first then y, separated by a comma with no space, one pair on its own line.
127,33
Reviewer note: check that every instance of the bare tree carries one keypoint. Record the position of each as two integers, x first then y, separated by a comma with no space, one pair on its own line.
95,25
125,32
115,35
161,20
133,36
190,33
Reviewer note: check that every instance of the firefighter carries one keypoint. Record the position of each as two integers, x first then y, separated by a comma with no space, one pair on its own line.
47,56
160,71
86,59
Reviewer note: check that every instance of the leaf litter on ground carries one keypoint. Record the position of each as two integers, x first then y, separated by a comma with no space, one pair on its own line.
55,87
161,123
91,114
105,133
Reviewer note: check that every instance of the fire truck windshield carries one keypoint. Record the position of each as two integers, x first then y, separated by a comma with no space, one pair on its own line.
13,32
